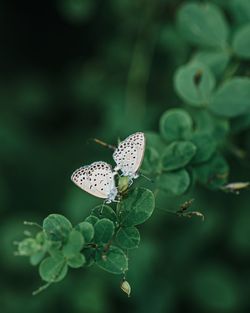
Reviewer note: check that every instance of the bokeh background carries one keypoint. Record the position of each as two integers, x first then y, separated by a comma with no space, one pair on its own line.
72,70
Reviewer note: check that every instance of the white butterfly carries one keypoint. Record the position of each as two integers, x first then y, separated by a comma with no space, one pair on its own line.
97,179
129,155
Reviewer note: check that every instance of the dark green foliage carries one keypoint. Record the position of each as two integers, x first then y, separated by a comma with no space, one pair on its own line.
194,83
191,145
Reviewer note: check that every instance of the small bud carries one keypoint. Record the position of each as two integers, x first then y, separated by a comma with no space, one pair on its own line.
196,213
125,287
236,187
187,204
123,184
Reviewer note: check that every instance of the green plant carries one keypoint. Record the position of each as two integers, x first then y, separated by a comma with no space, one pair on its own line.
191,147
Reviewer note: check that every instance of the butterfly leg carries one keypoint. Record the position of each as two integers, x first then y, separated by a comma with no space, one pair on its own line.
103,206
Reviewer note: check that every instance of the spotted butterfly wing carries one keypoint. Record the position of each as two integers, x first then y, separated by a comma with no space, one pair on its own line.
129,154
96,179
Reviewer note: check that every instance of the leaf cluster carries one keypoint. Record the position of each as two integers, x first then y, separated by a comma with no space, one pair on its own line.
103,238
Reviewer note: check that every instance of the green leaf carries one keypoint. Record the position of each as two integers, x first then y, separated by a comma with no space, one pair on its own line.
113,261
104,211
54,249
174,183
241,10
205,122
241,42
78,260
128,237
151,162
203,25
53,269
177,155
214,173
176,124
87,230
232,98
217,61
104,230
92,219
74,244
57,227
194,83
137,207
205,145
41,238
36,258
155,141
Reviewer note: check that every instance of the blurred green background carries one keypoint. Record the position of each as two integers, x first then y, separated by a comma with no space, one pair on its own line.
72,70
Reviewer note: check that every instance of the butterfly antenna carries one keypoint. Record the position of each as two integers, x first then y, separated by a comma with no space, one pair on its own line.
104,144
147,178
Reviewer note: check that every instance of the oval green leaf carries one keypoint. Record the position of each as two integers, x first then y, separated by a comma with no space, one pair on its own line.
92,219
128,237
194,83
57,227
232,98
104,230
177,155
53,269
155,141
203,24
174,183
104,211
36,258
240,10
137,207
241,42
216,60
151,162
113,261
205,145
76,261
87,230
176,124
74,244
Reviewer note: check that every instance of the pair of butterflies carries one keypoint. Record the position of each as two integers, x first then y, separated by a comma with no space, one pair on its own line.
98,178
